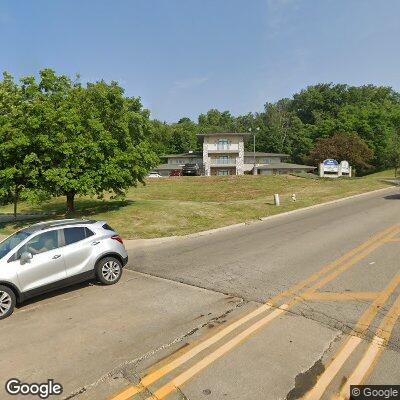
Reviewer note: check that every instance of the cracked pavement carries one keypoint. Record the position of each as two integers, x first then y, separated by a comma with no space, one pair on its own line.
97,341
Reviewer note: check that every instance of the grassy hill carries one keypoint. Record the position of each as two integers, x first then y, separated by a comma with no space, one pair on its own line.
182,205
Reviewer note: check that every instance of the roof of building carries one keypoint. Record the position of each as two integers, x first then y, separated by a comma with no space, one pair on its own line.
284,166
261,154
246,134
196,154
168,167
182,155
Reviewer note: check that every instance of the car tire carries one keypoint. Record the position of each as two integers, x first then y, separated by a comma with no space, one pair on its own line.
7,301
109,270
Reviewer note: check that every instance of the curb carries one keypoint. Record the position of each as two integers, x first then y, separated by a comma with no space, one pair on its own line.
135,243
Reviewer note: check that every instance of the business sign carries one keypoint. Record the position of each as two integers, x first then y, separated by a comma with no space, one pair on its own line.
345,167
331,165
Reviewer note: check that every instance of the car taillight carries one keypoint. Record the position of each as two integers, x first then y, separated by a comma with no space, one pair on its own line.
117,238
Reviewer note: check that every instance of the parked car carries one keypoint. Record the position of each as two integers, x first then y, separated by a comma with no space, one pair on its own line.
54,254
154,175
190,170
175,172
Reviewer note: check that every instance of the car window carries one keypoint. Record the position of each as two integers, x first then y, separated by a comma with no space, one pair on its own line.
76,234
41,243
108,227
14,240
88,232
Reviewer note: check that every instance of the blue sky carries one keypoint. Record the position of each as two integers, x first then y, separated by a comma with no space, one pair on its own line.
183,57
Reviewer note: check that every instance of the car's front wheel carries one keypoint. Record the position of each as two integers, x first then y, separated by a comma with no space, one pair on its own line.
109,270
7,301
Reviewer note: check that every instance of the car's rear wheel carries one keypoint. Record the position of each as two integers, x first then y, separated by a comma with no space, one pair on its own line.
109,270
7,301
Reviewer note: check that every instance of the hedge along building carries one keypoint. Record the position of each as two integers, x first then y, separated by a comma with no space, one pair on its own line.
224,154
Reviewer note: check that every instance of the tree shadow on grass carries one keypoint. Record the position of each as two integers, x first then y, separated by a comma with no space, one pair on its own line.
84,208
92,207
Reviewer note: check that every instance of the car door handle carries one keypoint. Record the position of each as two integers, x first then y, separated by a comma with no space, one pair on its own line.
56,256
95,242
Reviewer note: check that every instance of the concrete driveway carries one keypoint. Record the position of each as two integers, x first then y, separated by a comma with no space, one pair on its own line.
296,307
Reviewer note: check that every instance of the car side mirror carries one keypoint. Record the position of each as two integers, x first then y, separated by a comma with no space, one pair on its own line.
26,257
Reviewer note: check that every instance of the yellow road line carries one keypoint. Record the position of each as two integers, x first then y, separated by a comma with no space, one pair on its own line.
365,248
394,240
379,237
331,296
351,344
346,265
159,373
188,374
374,351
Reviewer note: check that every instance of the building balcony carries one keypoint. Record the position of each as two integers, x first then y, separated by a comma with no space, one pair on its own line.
223,162
215,148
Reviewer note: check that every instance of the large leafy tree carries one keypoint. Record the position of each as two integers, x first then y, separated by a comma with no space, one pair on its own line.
94,139
370,111
183,136
217,121
174,138
19,161
393,152
342,146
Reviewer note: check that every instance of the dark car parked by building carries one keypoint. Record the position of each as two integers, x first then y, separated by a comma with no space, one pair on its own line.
191,170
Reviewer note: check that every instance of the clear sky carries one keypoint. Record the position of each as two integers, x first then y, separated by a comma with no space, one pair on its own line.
183,57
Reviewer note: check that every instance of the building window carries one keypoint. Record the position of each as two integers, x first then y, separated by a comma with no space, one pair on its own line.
223,144
223,160
223,172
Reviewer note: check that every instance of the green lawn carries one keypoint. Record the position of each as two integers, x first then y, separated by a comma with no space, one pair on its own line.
182,205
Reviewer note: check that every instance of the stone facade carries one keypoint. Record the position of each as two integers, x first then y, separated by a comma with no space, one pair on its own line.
206,158
212,153
240,159
224,154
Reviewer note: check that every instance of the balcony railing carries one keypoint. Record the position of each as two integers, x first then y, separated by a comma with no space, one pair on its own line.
216,147
223,161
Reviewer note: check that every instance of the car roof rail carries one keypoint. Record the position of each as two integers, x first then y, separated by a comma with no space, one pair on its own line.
64,222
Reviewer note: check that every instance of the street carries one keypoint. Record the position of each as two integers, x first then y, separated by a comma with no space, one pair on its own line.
298,306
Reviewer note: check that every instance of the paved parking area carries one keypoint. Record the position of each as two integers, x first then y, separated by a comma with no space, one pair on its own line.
294,308
88,332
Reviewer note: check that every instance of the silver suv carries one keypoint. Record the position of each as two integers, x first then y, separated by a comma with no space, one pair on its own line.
54,254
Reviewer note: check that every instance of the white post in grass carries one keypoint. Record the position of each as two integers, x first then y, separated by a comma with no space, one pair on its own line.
277,201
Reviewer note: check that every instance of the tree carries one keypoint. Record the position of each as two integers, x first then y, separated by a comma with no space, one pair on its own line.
94,140
183,136
393,152
343,146
19,162
216,121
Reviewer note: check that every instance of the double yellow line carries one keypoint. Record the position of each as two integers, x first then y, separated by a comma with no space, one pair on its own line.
317,280
353,342
374,351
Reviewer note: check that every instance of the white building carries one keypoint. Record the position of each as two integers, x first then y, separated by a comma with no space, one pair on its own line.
224,154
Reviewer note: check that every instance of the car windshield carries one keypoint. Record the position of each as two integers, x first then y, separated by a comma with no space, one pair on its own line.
11,242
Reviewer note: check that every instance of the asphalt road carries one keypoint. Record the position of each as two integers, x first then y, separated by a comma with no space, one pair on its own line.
300,306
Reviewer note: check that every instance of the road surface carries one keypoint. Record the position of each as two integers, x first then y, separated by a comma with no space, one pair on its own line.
300,306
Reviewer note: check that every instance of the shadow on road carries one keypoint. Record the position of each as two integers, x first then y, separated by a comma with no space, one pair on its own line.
58,292
392,197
